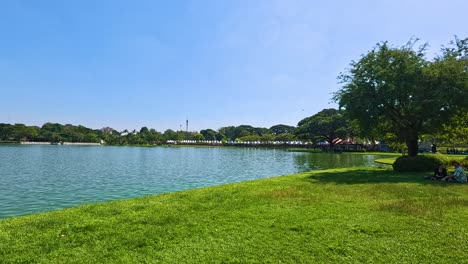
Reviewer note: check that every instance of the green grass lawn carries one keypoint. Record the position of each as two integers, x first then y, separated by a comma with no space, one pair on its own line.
344,215
388,161
395,154
455,156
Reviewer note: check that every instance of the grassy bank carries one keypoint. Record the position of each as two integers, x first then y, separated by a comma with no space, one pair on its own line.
387,161
342,215
458,157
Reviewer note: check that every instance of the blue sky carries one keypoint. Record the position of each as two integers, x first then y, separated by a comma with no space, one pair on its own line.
128,64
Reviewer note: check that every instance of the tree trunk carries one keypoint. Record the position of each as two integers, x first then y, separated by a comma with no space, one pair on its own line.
412,142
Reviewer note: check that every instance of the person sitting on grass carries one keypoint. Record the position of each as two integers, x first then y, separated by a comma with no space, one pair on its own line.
458,175
439,173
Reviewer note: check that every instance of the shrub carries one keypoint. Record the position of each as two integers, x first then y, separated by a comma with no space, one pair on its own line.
420,162
465,162
462,161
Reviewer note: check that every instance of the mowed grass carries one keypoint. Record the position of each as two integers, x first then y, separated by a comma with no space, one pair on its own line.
343,215
390,161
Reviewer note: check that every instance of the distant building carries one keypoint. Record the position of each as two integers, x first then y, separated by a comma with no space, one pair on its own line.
107,130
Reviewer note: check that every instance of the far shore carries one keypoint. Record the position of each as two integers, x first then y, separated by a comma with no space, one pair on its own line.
61,143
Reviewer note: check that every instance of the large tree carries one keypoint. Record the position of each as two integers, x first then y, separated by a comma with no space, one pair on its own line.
282,129
234,132
398,90
329,125
208,134
456,130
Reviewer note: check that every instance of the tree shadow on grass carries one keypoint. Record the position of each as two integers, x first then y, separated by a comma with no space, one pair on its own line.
360,176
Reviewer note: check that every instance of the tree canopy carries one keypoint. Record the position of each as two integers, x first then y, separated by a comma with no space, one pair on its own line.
329,125
282,129
399,90
54,132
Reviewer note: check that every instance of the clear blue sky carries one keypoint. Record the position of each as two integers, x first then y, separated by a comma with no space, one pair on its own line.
128,64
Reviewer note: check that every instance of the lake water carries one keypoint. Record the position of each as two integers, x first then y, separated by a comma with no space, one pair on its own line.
42,178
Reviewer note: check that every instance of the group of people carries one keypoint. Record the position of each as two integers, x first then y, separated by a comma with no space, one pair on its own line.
456,151
459,175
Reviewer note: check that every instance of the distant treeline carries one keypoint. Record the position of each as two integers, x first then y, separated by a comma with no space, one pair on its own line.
328,125
54,132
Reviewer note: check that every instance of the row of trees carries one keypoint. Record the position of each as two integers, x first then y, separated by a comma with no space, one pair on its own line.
50,132
327,125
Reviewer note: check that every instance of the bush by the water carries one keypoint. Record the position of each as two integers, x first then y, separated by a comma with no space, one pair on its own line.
462,161
419,163
465,161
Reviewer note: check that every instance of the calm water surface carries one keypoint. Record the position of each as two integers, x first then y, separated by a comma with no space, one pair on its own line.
42,178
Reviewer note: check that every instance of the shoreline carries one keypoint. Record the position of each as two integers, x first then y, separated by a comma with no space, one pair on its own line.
59,143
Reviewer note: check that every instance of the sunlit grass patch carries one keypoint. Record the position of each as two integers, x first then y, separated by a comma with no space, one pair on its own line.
388,161
430,207
289,192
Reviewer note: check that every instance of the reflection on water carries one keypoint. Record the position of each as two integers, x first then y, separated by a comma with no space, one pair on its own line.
318,161
42,178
